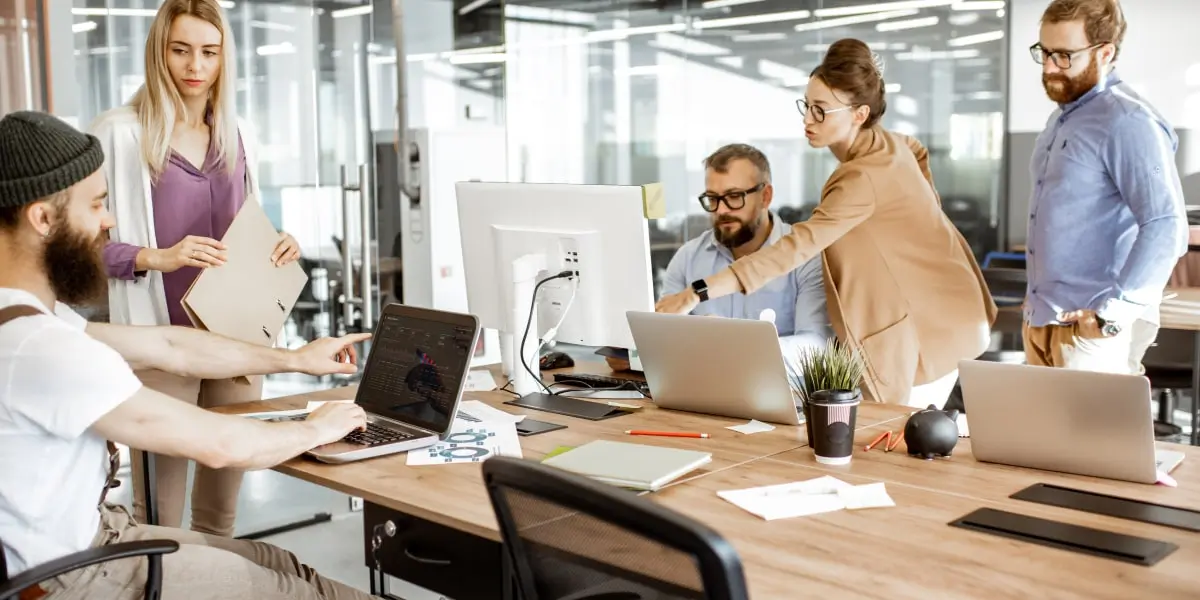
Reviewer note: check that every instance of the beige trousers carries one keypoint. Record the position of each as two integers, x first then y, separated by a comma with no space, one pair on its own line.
205,567
214,492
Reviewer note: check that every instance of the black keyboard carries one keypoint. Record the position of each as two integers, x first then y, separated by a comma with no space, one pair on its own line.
376,435
601,382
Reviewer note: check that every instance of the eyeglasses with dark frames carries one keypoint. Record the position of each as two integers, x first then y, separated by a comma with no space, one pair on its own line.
735,200
817,111
1060,58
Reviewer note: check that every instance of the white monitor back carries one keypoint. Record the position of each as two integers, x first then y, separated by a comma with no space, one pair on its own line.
431,246
598,230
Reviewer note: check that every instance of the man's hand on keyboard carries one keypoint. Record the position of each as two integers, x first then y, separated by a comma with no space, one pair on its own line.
334,420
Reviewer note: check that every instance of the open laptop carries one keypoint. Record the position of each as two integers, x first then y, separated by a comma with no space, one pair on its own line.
1080,422
412,383
689,365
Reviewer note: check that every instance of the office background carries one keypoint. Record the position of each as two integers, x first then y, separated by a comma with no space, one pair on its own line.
588,91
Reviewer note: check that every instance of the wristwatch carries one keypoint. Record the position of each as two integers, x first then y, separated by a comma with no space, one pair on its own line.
701,289
1107,328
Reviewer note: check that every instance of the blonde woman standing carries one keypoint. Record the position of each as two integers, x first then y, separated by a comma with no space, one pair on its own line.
180,165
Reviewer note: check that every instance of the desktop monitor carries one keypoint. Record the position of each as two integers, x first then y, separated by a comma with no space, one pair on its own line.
517,234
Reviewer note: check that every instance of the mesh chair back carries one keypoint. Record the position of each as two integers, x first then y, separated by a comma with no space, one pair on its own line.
571,538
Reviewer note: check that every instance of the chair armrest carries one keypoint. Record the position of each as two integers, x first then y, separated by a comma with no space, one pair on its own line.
79,560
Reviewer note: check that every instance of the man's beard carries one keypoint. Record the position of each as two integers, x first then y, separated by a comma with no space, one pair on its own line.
737,237
1072,88
75,265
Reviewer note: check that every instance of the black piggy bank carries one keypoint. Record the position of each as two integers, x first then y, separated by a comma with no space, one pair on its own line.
931,432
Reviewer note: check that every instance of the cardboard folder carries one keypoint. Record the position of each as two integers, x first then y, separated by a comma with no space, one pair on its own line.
248,298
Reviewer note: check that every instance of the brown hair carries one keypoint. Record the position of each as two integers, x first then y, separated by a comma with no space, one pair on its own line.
851,68
1103,20
10,216
719,160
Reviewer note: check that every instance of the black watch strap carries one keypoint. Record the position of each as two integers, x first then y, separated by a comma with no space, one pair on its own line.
701,289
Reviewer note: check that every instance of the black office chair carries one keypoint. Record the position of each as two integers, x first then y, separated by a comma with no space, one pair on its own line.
571,537
151,549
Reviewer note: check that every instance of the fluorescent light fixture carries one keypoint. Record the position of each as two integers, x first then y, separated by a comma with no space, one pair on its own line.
724,3
962,19
854,20
978,38
615,35
892,88
759,37
478,58
862,9
792,15
907,24
354,11
275,49
83,27
978,5
686,45
640,70
736,62
271,26
472,6
225,4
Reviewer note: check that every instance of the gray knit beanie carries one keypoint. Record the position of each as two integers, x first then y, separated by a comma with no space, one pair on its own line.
41,155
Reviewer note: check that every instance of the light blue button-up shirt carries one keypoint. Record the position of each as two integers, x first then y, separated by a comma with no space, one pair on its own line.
1106,218
797,301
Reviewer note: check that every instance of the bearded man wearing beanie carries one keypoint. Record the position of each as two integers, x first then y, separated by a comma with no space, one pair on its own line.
71,393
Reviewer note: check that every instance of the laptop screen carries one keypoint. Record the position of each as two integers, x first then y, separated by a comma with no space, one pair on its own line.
415,370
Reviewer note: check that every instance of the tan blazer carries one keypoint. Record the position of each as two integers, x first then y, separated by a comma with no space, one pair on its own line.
902,285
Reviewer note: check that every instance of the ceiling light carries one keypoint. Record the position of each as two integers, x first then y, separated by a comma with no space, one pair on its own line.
114,12
927,55
978,38
759,37
907,24
880,7
854,20
724,3
793,15
614,35
355,11
978,5
892,88
477,4
83,27
275,49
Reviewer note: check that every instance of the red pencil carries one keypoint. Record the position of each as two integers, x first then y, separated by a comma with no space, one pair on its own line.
684,434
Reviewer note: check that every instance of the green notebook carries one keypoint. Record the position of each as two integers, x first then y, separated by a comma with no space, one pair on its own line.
633,466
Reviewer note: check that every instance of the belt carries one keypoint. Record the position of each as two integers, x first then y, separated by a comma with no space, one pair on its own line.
32,592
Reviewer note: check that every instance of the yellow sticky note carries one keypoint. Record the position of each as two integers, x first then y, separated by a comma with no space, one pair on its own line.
654,204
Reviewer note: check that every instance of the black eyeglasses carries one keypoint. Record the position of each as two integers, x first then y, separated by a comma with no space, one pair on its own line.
1060,58
734,200
817,111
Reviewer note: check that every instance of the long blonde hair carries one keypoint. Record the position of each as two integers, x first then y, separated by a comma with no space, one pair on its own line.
158,103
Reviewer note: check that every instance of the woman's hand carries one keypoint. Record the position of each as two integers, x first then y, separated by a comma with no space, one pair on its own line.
680,303
286,251
191,251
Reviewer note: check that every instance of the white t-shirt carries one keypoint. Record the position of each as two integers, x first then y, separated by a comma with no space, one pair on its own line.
56,382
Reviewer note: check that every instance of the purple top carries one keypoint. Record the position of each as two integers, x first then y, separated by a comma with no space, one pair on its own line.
187,201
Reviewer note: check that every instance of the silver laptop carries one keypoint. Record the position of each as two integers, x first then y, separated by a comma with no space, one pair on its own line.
412,383
1079,422
727,367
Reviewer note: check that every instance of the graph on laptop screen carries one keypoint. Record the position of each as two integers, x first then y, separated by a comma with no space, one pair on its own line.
415,370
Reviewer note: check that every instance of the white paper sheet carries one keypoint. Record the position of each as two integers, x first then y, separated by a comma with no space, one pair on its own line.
963,430
483,412
753,426
480,380
803,498
470,442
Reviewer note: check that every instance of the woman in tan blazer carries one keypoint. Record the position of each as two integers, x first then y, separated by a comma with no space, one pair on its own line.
902,285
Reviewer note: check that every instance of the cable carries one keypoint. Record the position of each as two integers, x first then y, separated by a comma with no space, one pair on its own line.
529,323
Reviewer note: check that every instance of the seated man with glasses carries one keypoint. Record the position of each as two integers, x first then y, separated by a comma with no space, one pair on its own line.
737,197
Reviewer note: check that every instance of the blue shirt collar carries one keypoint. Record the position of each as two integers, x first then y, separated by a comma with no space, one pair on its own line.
1107,82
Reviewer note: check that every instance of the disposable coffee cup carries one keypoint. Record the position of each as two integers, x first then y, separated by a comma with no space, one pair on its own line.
832,414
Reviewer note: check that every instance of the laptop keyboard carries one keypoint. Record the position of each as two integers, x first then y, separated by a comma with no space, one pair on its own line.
376,435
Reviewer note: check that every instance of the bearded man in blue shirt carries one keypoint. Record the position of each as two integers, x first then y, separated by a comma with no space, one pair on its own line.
1106,218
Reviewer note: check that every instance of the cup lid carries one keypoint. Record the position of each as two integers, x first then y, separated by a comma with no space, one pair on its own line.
836,397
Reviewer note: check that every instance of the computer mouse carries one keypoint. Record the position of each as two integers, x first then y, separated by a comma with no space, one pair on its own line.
555,360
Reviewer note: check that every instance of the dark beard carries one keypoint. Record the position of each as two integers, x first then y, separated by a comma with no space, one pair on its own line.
75,265
1072,88
740,236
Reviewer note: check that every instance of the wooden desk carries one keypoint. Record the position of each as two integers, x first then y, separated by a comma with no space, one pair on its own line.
910,551
1188,322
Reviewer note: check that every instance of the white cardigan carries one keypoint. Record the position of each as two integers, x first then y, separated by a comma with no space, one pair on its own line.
142,300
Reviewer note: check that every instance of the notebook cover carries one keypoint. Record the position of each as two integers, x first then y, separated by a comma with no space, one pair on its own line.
635,466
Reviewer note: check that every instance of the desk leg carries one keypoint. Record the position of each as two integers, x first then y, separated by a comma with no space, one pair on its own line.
379,586
1196,388
148,481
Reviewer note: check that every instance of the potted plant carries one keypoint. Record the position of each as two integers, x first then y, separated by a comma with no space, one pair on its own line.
831,372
